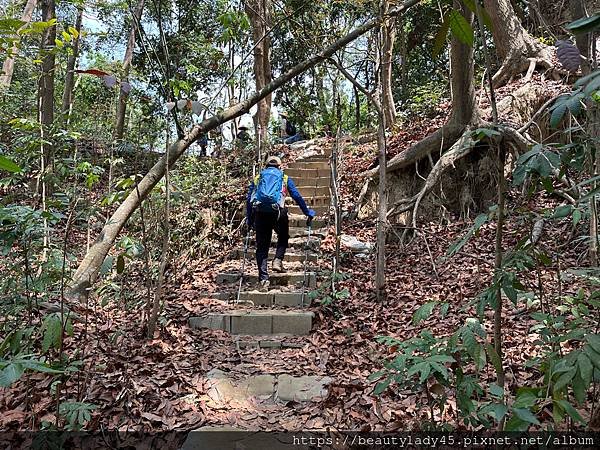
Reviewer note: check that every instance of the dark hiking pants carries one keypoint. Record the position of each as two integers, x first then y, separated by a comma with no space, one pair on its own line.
265,223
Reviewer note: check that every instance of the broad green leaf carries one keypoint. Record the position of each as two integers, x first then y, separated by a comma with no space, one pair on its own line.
526,415
576,216
11,373
585,368
583,80
8,165
594,341
579,388
52,328
460,27
571,411
592,86
423,313
558,113
376,375
440,37
564,380
382,386
562,211
496,390
584,25
499,411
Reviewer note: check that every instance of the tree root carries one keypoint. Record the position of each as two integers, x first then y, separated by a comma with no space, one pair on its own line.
517,63
463,146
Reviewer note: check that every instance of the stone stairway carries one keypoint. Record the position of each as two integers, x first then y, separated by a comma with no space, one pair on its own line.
263,320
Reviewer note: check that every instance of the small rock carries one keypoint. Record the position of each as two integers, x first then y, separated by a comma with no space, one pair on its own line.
353,244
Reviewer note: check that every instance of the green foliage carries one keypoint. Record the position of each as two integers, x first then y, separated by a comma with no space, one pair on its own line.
585,25
327,292
76,414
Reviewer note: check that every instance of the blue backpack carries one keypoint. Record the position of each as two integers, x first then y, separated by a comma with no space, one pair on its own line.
269,189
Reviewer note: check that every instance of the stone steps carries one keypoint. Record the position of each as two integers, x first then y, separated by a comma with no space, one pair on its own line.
289,256
275,298
311,181
221,387
302,173
303,231
276,279
249,322
322,164
321,200
313,191
297,221
319,210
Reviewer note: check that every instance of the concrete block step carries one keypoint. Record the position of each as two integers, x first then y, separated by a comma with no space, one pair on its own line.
297,323
312,191
321,200
300,173
276,298
319,210
289,256
301,243
301,183
312,164
303,231
276,279
299,221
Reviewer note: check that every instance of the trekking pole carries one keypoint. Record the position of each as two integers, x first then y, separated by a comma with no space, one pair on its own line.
243,268
306,264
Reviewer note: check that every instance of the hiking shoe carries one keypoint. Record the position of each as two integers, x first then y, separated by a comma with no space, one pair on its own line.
264,286
278,265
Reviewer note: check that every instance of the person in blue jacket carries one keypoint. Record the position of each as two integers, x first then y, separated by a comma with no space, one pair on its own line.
270,215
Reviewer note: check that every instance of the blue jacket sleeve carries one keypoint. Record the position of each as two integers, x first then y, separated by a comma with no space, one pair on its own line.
248,199
293,191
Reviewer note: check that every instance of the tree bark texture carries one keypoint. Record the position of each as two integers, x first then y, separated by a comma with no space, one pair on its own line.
387,98
8,67
515,46
127,59
260,14
87,271
463,106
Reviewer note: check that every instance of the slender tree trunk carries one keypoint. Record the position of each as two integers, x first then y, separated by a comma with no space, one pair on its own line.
356,108
387,99
127,59
67,99
8,67
46,81
87,271
260,15
517,49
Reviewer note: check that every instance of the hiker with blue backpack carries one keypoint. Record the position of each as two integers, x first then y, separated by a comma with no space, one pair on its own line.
266,211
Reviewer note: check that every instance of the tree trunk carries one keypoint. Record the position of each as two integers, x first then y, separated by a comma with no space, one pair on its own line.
8,67
387,98
517,49
356,108
87,271
260,15
463,113
67,99
46,81
122,105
